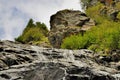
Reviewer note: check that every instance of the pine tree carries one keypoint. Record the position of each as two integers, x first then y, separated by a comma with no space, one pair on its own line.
30,23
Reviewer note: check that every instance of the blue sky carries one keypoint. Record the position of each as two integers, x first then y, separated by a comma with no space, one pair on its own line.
14,14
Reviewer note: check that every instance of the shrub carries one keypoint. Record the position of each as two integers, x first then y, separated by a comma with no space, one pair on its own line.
74,42
102,37
117,5
33,32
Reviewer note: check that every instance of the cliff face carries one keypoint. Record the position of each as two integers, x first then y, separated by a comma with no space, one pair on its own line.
68,22
109,9
28,62
67,18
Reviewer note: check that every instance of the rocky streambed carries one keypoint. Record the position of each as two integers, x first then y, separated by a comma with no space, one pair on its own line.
28,62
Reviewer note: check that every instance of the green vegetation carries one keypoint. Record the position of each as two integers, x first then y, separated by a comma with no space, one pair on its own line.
105,36
98,13
34,33
117,6
74,42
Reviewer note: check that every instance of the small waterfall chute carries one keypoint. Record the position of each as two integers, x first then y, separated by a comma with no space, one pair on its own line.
69,56
41,57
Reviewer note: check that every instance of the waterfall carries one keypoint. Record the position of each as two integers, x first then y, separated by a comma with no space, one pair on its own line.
116,76
41,57
69,56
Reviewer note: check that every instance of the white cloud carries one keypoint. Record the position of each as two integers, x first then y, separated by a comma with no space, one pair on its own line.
14,14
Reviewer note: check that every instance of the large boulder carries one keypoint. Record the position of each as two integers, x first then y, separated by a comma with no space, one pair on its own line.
69,18
68,22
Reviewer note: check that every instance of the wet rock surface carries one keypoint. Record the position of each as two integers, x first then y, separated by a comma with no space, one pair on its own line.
28,62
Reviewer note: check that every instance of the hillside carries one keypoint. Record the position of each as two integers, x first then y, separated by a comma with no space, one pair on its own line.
104,36
28,62
78,46
97,29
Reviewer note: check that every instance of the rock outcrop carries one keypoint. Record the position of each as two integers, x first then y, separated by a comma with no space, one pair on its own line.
28,62
110,7
110,12
68,22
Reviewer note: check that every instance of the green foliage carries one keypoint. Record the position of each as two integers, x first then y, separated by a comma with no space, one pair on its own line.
74,42
105,36
33,32
118,16
30,23
97,12
117,6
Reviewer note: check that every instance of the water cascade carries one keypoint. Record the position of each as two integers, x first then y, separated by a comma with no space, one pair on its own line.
69,56
41,57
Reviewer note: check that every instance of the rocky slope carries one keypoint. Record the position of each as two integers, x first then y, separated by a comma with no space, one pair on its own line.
110,8
28,62
68,22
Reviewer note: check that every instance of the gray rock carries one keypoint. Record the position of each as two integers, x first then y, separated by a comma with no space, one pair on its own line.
68,18
53,73
68,22
27,62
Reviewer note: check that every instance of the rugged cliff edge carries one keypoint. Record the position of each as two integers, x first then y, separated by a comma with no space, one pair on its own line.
28,62
68,22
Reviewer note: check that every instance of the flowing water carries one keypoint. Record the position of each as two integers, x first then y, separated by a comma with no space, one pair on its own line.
117,76
39,54
68,55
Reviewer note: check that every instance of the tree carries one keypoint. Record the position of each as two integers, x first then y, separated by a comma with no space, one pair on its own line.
33,32
30,23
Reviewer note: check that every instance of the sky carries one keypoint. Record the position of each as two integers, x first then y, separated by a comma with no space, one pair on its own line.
15,14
